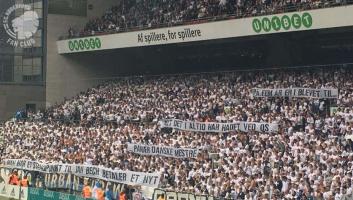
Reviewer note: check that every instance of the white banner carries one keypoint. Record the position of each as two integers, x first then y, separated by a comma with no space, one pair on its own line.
218,127
296,92
152,150
90,171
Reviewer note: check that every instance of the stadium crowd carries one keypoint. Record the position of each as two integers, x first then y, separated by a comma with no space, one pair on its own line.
155,13
310,157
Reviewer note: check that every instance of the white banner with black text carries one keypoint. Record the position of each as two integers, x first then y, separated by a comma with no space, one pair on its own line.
153,150
296,92
216,127
90,171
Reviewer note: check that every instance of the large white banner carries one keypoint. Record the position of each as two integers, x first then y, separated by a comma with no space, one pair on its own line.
296,92
285,22
216,127
153,150
90,171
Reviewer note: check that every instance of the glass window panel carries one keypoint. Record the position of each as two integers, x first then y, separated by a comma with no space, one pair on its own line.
38,4
18,60
18,74
18,50
37,62
27,62
27,70
38,42
37,70
38,34
39,12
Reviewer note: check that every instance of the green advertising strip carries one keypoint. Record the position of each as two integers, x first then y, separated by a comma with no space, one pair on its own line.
286,22
84,44
40,194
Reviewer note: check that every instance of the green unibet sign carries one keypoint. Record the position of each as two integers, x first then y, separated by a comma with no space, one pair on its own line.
85,44
284,23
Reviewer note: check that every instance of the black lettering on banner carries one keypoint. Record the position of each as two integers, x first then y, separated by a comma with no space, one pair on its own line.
191,126
264,127
54,168
213,127
134,178
301,92
255,92
150,179
79,170
142,149
113,175
198,126
11,163
167,122
171,35
266,93
246,126
29,165
21,163
140,38
225,127
203,127
67,169
288,92
317,93
308,92
177,123
158,37
92,171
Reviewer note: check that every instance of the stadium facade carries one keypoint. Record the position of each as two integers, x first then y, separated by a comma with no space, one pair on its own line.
41,67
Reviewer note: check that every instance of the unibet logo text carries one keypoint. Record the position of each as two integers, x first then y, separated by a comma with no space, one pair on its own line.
85,44
284,23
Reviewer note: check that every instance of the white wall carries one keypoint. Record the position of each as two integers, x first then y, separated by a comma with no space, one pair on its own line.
65,77
14,97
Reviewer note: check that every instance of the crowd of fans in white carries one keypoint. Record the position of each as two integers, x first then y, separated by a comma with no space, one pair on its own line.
310,157
132,14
